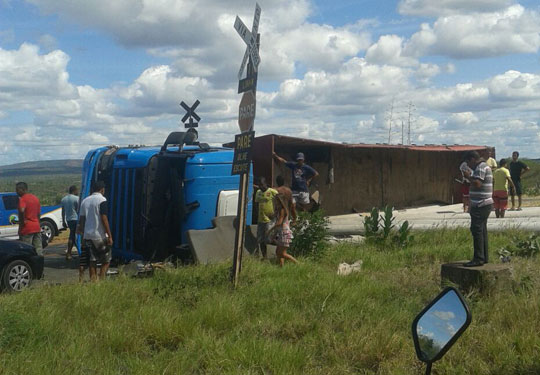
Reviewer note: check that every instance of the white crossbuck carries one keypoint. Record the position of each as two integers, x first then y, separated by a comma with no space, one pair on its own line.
250,38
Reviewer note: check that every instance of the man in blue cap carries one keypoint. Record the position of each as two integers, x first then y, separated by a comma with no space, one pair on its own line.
302,174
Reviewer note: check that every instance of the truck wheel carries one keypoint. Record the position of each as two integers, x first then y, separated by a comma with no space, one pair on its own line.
17,276
47,230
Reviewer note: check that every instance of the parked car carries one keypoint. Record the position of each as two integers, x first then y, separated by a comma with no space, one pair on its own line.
19,265
51,218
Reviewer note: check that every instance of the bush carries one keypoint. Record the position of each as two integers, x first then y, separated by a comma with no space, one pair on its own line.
310,233
380,229
521,247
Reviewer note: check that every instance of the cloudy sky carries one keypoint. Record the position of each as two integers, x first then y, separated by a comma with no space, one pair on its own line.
77,74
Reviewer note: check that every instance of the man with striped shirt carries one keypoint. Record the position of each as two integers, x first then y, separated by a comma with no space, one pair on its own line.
481,202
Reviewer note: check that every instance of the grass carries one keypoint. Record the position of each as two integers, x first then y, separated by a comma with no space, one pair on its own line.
302,319
50,189
531,179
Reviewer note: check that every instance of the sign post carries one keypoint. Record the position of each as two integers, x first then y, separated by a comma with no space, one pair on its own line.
243,142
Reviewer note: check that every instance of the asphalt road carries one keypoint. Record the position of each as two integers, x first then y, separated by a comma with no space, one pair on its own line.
57,269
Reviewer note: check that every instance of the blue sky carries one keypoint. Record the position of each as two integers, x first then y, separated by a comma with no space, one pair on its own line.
77,74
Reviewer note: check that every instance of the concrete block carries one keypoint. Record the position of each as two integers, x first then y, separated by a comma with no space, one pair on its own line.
217,244
487,278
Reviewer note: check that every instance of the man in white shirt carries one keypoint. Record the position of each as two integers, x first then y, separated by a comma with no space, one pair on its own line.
94,227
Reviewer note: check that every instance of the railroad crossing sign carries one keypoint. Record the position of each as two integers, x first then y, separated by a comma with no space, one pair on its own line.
250,38
244,141
190,113
247,84
246,111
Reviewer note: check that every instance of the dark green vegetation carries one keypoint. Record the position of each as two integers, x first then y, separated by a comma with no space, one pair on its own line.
48,180
531,179
380,229
50,189
300,319
310,234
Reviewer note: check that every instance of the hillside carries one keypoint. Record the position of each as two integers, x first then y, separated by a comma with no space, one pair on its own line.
44,168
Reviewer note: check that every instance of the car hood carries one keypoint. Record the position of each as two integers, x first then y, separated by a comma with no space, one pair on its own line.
16,246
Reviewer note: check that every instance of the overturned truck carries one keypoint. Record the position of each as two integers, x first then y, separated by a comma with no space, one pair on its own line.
156,194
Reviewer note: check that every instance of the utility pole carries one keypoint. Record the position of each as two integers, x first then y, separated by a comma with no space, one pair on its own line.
402,133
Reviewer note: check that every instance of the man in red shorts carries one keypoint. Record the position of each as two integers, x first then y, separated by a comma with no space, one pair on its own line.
501,179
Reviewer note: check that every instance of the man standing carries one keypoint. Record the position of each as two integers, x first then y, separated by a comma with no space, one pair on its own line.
492,163
481,192
265,198
302,174
501,179
94,227
70,205
517,169
465,184
29,217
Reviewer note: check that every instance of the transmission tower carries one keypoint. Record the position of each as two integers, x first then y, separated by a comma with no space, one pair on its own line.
390,119
411,108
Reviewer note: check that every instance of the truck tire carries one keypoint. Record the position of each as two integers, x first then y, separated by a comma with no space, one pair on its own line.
16,276
48,230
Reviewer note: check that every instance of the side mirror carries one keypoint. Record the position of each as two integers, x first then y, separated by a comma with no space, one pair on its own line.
439,325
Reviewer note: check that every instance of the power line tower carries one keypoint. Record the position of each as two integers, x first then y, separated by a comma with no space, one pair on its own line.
402,132
411,109
389,119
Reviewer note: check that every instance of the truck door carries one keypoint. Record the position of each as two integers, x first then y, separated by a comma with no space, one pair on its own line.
8,215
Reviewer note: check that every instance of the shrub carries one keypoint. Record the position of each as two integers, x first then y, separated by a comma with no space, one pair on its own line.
379,229
521,247
310,233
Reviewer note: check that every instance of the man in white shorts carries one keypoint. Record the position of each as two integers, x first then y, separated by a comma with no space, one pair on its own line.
94,227
302,174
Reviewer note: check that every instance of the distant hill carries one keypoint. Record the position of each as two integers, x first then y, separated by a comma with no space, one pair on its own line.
44,167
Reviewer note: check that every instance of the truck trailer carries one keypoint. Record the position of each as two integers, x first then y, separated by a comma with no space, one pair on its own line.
156,194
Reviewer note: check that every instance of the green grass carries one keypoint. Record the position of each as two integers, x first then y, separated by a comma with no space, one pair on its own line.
531,179
50,189
302,319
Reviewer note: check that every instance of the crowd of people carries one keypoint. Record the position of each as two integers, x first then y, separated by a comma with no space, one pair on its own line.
485,188
277,207
90,221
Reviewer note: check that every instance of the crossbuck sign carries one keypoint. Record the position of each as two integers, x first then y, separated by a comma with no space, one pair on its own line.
250,38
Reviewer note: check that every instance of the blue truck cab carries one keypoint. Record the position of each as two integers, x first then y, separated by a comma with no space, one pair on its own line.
156,194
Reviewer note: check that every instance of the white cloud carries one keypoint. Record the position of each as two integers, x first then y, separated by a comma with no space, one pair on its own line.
357,84
200,35
445,7
27,76
444,315
512,30
460,120
388,50
92,137
151,23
